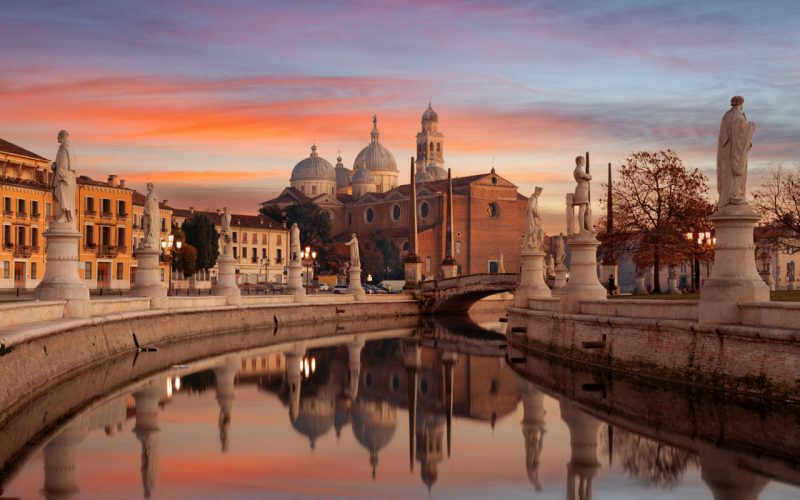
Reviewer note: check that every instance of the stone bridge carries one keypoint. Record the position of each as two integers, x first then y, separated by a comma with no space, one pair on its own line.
459,293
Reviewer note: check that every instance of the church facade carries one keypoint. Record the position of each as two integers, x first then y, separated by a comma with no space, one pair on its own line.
488,210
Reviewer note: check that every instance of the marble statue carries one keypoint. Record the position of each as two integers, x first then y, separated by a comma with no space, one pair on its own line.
561,253
151,219
355,260
226,230
501,263
735,141
64,179
534,234
550,267
581,196
790,271
296,251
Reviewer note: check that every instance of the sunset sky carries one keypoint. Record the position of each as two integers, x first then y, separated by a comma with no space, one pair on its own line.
215,102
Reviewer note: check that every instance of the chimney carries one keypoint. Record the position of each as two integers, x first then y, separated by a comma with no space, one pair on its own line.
165,202
122,183
191,210
219,211
112,180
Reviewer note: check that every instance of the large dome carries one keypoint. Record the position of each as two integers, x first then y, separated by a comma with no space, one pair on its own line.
362,176
375,155
314,168
430,115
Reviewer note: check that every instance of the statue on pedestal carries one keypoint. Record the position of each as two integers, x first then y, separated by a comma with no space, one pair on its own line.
64,179
735,141
151,219
295,250
225,233
550,267
581,196
790,271
561,253
355,260
534,234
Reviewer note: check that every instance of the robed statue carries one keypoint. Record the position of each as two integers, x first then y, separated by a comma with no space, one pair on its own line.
561,253
296,251
549,266
790,271
581,196
534,234
355,259
735,141
64,179
226,231
151,219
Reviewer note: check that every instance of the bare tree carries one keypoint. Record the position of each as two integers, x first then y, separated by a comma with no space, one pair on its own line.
777,201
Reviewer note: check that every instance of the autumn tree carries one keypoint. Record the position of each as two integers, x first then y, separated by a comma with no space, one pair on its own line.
657,200
777,201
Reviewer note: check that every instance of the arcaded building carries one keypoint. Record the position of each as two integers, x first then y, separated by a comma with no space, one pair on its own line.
488,210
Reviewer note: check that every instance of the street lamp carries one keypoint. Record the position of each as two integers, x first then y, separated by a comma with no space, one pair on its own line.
266,263
703,241
168,248
308,257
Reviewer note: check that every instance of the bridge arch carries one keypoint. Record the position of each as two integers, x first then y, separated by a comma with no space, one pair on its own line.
451,295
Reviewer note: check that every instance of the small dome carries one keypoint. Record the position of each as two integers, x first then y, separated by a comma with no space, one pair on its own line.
343,174
424,175
438,173
315,418
430,115
375,155
314,168
374,423
362,176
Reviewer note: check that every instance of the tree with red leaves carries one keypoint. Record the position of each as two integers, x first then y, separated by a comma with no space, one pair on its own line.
657,200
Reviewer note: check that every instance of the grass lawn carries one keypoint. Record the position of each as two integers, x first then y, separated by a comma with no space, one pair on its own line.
778,296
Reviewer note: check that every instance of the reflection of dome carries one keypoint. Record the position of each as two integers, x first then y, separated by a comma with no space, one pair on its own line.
375,155
430,115
374,424
342,416
315,417
314,168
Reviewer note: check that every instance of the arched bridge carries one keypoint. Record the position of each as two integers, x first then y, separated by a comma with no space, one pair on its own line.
459,293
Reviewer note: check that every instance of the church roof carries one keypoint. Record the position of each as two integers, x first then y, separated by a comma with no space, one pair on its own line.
314,167
13,149
243,220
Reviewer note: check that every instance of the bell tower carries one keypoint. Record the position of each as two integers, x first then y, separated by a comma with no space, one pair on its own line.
430,142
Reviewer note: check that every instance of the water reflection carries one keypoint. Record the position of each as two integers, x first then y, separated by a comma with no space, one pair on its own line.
443,378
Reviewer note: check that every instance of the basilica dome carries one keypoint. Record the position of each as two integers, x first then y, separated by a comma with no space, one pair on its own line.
374,425
375,155
343,174
430,115
423,176
362,176
313,168
315,418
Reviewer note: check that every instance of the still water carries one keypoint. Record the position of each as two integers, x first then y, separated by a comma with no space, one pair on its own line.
438,411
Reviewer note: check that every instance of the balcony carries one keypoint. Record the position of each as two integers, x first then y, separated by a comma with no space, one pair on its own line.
278,260
8,212
22,250
122,249
89,246
122,215
107,251
22,215
90,211
36,215
106,215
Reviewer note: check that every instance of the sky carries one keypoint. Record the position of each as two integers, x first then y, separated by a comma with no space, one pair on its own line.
215,102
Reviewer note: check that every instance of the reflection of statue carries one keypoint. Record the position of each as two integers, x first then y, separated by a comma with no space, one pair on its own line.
581,196
550,267
151,219
226,231
534,235
561,253
790,271
295,243
64,180
735,141
355,261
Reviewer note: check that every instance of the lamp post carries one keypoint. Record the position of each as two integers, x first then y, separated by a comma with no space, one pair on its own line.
266,263
168,248
309,257
703,242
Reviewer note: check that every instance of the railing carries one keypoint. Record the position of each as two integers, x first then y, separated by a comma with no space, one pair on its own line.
90,211
121,215
22,250
106,251
471,279
122,249
22,215
89,246
106,215
35,215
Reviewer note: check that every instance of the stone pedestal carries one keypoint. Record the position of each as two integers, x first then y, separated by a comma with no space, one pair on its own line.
148,278
790,285
561,278
766,276
640,288
672,281
61,280
734,277
413,271
226,281
531,279
450,270
354,285
583,283
294,281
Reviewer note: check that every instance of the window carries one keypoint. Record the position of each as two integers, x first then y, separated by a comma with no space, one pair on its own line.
90,206
424,210
6,269
396,212
493,267
105,207
235,237
20,208
458,247
263,253
279,239
88,236
163,225
492,210
7,210
7,242
121,208
87,270
244,238
34,237
235,253
263,239
254,256
439,147
35,208
48,209
244,252
121,236
369,215
120,270
33,270
314,189
278,256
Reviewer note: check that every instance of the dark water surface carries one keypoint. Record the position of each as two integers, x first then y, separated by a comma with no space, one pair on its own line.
436,411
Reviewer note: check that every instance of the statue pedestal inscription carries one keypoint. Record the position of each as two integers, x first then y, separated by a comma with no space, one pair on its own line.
583,282
734,277
354,285
226,281
148,278
61,280
531,279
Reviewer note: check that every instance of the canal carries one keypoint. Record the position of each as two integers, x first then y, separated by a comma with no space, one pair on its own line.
414,408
